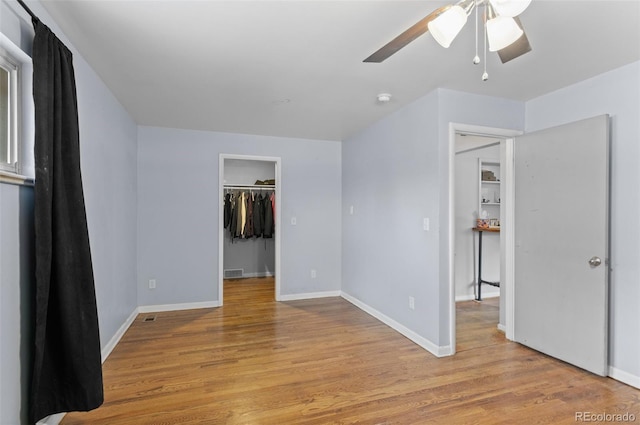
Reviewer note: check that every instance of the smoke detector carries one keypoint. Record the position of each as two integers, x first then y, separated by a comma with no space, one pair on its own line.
384,97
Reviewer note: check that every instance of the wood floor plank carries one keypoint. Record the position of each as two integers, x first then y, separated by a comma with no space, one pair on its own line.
323,361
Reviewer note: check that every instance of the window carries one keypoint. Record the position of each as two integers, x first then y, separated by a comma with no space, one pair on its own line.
17,164
8,113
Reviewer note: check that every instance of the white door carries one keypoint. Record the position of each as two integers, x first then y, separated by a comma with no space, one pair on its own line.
561,242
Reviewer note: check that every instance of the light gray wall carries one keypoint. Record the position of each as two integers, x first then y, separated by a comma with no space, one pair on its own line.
466,241
255,256
395,173
390,177
108,161
178,212
16,292
616,93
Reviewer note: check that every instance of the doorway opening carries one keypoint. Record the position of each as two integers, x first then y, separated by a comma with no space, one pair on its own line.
477,240
249,221
490,149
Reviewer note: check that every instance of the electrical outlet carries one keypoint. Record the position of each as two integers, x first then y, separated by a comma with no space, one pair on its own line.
351,210
313,274
152,284
412,303
294,221
425,223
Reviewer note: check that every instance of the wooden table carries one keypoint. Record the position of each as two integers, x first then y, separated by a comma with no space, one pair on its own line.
481,230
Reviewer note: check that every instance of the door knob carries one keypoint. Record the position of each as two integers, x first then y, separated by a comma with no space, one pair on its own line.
595,261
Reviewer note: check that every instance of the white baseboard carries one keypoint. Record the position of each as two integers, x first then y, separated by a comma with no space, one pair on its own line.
309,295
51,420
175,307
257,274
502,328
473,297
434,349
624,377
107,349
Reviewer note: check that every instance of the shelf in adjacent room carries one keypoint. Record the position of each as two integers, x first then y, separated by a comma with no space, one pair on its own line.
489,190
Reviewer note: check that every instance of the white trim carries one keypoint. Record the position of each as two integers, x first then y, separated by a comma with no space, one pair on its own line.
451,236
23,115
221,229
483,131
434,349
176,307
12,67
17,179
310,295
108,348
54,419
502,328
507,235
624,377
278,236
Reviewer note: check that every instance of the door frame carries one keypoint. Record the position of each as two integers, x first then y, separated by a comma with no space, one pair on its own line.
277,236
507,216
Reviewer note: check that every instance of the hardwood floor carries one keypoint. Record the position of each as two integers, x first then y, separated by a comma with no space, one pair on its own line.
255,361
477,324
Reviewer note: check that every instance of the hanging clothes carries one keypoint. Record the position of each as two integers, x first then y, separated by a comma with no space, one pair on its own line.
233,223
227,210
238,229
273,206
248,228
243,213
258,215
268,217
249,215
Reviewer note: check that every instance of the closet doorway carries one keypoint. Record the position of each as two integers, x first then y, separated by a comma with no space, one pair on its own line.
477,196
463,277
249,219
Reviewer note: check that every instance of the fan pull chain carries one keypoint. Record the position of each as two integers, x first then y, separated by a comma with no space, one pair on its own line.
476,58
485,76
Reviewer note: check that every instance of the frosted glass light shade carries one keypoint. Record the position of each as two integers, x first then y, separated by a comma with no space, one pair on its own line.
501,32
447,25
510,8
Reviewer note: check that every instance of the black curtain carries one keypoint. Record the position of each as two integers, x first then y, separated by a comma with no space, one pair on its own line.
67,368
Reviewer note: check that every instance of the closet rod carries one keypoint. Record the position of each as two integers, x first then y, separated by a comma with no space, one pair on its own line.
250,186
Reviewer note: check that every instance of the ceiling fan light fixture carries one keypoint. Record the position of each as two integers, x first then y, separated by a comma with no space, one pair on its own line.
447,25
502,31
509,8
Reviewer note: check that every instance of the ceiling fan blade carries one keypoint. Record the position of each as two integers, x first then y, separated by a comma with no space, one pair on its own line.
517,48
406,37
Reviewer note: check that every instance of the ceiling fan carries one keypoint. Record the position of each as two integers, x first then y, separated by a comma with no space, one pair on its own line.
503,29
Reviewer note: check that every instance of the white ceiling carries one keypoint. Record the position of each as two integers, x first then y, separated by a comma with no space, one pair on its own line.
294,68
